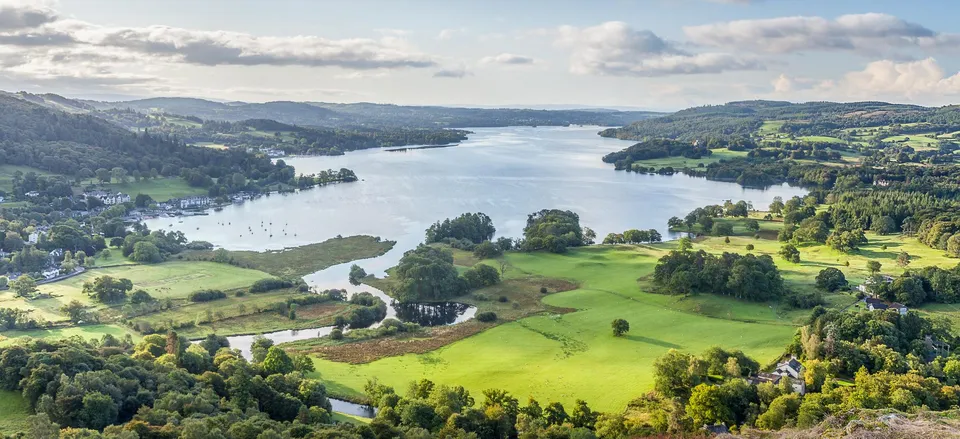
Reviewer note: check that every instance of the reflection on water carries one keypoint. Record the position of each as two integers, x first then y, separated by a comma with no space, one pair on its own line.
434,314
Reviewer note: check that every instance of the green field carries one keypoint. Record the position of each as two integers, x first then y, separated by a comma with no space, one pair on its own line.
160,189
826,139
87,332
7,171
307,259
683,162
546,356
14,410
173,280
919,141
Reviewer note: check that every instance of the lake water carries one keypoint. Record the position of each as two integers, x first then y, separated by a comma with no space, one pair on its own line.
506,173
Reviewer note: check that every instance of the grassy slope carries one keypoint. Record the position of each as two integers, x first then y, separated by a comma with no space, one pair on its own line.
546,356
7,171
174,279
87,332
683,162
303,260
161,189
14,410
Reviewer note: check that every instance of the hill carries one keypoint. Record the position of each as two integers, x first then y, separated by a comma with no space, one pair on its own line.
374,115
811,118
77,145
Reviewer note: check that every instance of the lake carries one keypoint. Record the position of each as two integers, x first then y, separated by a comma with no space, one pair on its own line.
506,173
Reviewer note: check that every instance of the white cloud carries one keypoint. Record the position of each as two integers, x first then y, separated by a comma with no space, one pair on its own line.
867,33
446,34
508,59
35,44
23,15
614,48
923,81
455,72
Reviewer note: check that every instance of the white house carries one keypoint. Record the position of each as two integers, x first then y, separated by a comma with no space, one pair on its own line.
790,369
108,198
194,202
33,238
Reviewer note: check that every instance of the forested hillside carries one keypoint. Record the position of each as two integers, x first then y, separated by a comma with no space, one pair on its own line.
745,118
375,115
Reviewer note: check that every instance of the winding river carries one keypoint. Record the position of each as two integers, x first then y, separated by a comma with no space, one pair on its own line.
506,173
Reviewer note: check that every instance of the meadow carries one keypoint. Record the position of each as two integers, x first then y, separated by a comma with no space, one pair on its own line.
160,189
683,162
174,280
545,356
7,172
14,410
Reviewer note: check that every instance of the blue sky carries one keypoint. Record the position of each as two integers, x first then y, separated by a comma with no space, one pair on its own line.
655,54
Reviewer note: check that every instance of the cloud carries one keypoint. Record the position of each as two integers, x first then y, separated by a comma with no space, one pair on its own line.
446,34
867,33
507,59
614,48
457,73
24,16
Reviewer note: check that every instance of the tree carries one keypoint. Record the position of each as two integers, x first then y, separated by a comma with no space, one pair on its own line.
103,175
776,207
672,375
685,244
831,279
356,274
107,289
24,286
873,267
582,416
752,225
98,411
487,250
146,252
119,174
706,406
75,310
143,200
620,327
790,253
903,259
722,229
277,361
140,296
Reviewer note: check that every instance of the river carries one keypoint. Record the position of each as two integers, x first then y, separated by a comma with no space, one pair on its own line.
506,173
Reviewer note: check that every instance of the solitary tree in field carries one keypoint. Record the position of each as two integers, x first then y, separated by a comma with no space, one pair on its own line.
620,327
24,286
903,259
790,253
873,267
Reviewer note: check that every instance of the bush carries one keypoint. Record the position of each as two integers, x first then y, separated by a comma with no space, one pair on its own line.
481,275
206,295
487,316
831,279
264,285
750,247
198,245
336,334
487,250
543,290
503,299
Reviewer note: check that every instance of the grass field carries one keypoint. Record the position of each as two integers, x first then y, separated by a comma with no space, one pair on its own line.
160,189
87,332
545,356
7,171
310,258
174,280
14,411
683,162
821,139
919,141
211,145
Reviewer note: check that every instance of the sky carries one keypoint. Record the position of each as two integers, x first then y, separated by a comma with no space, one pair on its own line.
646,54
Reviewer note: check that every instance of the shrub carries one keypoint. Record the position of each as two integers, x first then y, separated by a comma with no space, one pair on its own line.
206,295
750,247
487,250
543,290
487,316
503,299
270,284
336,334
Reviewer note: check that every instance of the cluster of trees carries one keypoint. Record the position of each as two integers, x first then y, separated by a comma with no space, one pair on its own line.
747,277
206,296
270,284
164,386
916,287
655,149
370,309
107,289
554,230
473,227
633,236
428,273
152,247
11,318
704,218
